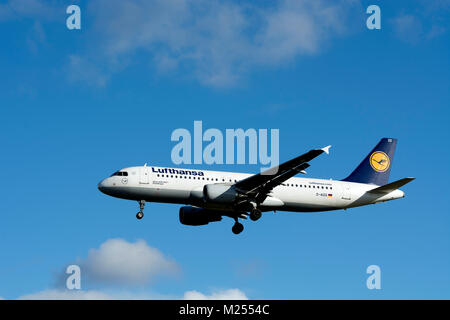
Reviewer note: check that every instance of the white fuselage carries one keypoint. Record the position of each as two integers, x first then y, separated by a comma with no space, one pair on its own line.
185,186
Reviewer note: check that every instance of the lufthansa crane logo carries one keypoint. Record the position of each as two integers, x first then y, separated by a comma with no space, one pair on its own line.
379,161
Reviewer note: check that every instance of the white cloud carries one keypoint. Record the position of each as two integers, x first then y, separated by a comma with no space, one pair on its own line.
58,294
117,261
120,262
215,41
55,294
62,294
229,294
298,27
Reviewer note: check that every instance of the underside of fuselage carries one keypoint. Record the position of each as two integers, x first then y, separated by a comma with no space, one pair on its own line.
183,197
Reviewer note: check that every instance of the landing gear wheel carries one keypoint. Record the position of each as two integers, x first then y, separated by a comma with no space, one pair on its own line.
255,214
140,214
237,228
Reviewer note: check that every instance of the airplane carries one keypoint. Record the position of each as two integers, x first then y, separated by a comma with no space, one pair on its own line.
210,195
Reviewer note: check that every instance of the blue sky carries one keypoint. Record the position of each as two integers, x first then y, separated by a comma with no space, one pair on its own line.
78,105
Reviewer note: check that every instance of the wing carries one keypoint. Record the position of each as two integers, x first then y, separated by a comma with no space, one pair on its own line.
259,185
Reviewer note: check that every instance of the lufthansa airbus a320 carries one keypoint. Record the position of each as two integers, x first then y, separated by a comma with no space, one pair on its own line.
210,195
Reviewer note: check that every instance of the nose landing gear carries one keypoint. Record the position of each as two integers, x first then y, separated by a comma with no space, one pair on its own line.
140,214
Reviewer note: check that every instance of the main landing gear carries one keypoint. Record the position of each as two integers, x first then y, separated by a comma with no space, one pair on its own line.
140,214
255,214
237,227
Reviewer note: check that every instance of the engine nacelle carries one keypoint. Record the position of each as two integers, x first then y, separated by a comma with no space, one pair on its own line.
197,216
219,193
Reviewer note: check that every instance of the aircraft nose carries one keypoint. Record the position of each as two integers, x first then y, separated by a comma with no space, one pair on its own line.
101,186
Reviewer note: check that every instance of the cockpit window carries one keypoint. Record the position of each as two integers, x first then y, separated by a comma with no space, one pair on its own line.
120,173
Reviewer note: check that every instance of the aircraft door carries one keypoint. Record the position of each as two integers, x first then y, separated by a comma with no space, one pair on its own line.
346,192
144,175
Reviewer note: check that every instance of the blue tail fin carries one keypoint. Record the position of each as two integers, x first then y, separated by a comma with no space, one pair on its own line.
376,167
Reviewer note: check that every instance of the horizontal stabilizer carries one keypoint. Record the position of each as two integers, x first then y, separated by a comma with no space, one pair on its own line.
392,186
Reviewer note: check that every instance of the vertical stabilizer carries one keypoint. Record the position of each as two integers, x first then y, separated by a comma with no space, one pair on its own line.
376,167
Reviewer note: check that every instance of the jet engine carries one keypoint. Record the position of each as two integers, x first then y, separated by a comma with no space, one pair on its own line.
197,216
219,193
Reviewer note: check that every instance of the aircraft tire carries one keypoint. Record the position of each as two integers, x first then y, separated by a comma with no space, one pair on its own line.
255,214
237,228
